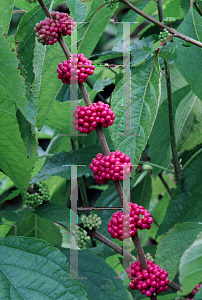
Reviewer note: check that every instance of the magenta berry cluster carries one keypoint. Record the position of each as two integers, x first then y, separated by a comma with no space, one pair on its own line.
195,291
88,117
48,30
124,226
116,166
148,282
75,69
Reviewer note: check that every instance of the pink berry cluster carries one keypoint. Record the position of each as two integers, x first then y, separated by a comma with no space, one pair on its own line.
88,117
153,280
124,226
115,166
47,31
195,291
77,68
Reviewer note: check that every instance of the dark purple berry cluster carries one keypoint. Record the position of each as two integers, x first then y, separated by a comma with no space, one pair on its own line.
75,69
148,282
88,117
116,166
47,31
124,226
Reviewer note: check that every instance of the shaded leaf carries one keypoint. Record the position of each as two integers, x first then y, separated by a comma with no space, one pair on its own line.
100,277
15,216
141,193
56,164
172,246
6,13
191,267
185,204
31,268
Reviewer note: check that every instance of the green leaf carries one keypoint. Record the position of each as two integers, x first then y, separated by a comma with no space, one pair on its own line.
12,87
159,210
58,116
24,5
185,204
15,216
188,122
31,268
59,190
33,226
77,10
186,56
103,56
198,295
173,244
91,32
28,135
13,158
101,278
142,113
6,13
141,193
56,164
191,267
53,212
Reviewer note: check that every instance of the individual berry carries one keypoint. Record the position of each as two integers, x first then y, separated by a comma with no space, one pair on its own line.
81,238
48,30
76,69
92,221
88,117
42,194
148,281
124,226
195,291
116,167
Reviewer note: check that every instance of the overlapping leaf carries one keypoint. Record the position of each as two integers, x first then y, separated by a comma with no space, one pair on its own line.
138,118
185,204
6,8
31,268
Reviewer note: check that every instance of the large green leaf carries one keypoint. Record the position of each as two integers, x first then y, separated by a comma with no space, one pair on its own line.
92,31
145,91
33,269
186,56
77,10
101,280
13,158
6,13
188,122
191,267
173,244
12,86
33,226
56,164
185,204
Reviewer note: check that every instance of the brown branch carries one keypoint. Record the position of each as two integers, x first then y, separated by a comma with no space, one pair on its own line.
140,251
171,30
165,184
197,7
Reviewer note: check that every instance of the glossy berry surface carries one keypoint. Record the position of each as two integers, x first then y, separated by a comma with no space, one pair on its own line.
88,117
124,226
148,282
48,30
42,194
116,166
75,69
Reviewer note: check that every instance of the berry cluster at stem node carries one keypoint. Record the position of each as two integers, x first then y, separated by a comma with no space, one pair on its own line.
88,117
124,226
42,194
164,35
81,238
116,166
169,20
48,30
148,282
92,221
76,69
195,291
110,3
